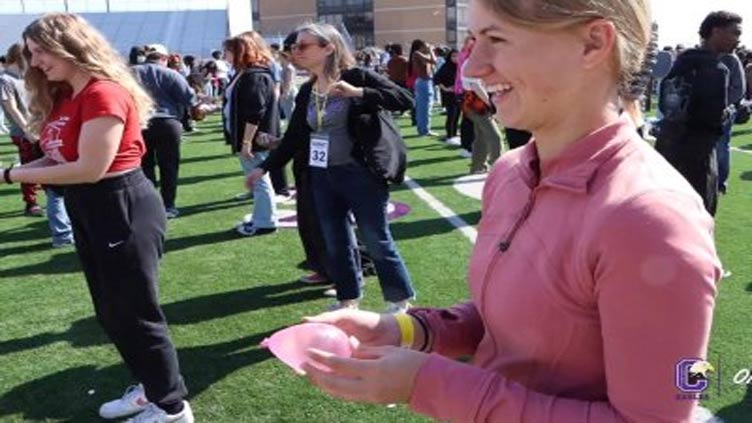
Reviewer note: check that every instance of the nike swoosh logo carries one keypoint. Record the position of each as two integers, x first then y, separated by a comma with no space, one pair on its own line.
114,244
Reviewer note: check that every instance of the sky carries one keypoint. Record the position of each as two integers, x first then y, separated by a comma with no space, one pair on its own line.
676,26
42,6
678,20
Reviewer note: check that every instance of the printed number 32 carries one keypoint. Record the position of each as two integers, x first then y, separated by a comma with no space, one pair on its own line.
319,156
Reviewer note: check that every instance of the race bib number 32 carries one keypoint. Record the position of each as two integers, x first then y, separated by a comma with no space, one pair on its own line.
319,156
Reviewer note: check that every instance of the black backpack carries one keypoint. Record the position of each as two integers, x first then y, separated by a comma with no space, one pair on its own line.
694,93
379,143
743,112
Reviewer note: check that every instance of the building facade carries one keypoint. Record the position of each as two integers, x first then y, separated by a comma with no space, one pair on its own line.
368,22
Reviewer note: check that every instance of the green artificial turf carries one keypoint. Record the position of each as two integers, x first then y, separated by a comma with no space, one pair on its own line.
223,294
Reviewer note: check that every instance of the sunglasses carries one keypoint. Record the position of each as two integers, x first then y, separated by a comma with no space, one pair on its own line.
301,47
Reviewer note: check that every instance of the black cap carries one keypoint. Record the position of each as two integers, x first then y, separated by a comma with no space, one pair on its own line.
289,41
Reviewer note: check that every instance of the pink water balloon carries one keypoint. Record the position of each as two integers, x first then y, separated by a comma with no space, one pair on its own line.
290,344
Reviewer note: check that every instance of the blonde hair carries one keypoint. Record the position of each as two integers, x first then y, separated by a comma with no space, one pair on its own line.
631,18
71,38
342,58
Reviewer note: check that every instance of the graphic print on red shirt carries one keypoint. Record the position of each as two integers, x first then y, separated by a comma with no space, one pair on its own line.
100,98
52,140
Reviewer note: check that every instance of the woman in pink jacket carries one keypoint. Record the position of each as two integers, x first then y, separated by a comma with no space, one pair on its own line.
594,273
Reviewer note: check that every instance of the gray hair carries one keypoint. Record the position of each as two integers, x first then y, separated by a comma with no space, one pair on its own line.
342,58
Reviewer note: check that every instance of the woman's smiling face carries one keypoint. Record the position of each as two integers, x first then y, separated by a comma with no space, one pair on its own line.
530,73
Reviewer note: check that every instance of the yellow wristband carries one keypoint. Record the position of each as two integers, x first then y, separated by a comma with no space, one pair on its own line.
407,329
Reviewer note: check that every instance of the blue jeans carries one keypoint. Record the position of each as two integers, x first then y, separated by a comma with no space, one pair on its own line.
264,208
423,97
337,191
57,218
287,104
723,154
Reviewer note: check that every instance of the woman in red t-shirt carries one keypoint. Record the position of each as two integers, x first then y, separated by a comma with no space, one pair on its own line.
89,109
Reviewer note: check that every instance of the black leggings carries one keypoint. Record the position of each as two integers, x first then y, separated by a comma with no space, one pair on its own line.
453,114
119,226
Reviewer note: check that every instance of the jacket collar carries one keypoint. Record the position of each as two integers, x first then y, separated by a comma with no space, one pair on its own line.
576,166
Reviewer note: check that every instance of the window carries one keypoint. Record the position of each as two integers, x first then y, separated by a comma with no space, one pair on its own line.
332,19
451,37
456,20
355,15
256,14
451,17
462,17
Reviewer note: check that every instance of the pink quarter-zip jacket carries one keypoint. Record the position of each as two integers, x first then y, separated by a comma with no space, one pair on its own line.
590,281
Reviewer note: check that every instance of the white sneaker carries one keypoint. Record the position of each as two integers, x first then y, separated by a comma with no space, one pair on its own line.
133,401
330,292
339,305
154,414
398,307
465,154
454,141
284,199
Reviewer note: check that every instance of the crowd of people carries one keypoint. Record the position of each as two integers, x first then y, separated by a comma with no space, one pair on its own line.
550,327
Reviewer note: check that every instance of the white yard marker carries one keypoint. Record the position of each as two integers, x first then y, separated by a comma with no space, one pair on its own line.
444,211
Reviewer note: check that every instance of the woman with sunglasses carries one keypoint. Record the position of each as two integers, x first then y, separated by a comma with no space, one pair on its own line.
601,317
89,109
340,181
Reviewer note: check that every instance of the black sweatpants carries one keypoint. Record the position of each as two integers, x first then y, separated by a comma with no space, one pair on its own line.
699,169
119,226
692,152
162,139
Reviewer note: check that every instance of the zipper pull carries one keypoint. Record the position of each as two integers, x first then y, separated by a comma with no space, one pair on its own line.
506,243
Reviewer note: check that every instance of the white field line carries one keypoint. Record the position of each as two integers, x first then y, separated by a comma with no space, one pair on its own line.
467,230
444,211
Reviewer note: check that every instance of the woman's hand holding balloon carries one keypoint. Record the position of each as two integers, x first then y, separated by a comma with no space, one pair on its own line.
381,375
369,328
378,372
